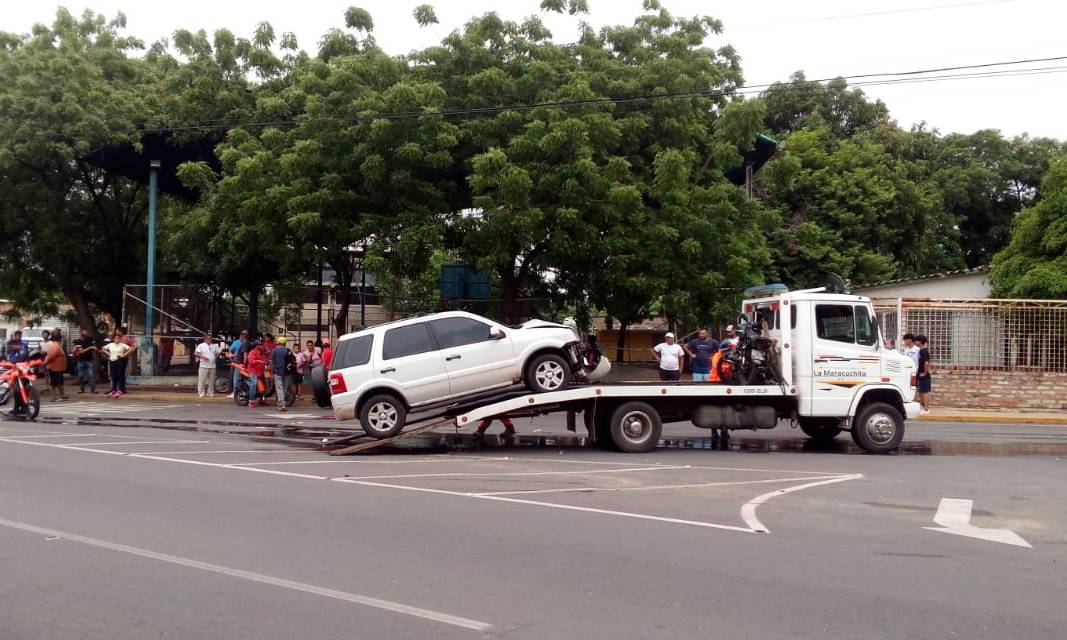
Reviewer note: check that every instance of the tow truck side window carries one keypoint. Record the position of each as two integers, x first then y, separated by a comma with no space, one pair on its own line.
835,322
866,329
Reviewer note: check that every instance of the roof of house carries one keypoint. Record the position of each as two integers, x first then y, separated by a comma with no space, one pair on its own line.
937,275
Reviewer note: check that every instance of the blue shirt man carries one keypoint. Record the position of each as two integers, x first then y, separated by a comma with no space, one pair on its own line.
701,349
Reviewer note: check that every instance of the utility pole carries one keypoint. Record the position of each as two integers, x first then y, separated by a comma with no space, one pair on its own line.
318,312
148,351
153,183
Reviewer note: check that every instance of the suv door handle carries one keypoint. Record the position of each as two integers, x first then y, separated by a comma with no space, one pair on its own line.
450,358
389,370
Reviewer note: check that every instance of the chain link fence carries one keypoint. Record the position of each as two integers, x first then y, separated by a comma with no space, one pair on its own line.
982,334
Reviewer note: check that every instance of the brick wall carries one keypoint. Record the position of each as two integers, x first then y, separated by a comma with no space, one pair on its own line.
963,388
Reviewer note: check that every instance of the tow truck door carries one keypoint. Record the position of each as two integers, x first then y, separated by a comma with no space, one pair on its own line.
844,355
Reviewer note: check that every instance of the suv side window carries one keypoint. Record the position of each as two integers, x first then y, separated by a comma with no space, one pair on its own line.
835,322
353,353
866,329
454,332
407,341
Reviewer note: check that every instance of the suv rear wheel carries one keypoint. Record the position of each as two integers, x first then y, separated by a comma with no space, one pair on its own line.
547,372
382,416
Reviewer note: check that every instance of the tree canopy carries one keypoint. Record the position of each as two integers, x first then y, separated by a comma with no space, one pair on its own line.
587,169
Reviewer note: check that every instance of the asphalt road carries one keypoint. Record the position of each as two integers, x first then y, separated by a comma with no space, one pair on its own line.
133,532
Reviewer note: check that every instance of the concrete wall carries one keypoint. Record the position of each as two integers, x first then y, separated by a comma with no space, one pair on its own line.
969,285
1025,390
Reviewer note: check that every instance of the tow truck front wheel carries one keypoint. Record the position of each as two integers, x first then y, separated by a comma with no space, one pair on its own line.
878,427
635,427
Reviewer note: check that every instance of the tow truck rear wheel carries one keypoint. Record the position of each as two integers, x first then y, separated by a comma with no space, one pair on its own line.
878,427
820,429
636,427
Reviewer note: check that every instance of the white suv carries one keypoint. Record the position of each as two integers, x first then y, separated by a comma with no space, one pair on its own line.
381,373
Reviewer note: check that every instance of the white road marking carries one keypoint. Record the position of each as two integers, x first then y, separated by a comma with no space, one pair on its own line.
174,453
129,442
515,473
291,416
661,487
954,516
336,461
377,603
691,466
91,407
748,510
55,435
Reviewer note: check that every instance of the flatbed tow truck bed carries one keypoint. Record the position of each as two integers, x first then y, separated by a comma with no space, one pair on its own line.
672,400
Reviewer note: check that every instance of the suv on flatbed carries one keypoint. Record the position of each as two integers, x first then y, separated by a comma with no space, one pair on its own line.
381,373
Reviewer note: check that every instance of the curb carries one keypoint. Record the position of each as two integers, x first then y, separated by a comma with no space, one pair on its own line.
995,419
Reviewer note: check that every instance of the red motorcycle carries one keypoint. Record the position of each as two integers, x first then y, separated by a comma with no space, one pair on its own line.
16,383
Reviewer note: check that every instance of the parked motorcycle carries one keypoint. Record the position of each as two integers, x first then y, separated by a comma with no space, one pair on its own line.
16,383
749,361
265,388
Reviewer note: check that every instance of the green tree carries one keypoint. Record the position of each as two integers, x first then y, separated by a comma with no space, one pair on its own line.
1034,264
802,104
851,207
74,231
562,192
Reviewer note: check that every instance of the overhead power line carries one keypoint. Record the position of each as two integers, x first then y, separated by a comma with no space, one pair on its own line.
972,71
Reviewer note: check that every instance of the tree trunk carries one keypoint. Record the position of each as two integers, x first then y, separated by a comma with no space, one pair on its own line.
80,302
620,346
344,299
253,312
509,285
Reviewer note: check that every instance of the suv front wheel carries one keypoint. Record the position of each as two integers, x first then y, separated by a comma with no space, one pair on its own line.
382,416
547,372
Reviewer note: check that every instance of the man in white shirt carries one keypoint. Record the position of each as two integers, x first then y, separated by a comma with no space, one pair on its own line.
669,354
206,352
911,350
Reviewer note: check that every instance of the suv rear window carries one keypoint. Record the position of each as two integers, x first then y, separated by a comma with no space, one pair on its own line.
407,341
353,353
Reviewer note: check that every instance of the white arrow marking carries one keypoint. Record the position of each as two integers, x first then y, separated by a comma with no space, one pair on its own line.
954,516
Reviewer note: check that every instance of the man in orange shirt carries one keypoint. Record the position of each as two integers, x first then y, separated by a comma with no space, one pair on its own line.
55,360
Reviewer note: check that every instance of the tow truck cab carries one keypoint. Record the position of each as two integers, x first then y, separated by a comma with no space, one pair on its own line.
831,352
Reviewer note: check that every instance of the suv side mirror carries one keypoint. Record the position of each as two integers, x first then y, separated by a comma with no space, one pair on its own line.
497,334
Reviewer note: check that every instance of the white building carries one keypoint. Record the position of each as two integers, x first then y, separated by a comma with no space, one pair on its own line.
962,284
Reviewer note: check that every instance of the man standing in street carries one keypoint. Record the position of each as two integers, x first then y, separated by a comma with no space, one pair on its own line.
55,360
206,352
925,382
237,355
670,355
279,362
701,349
327,354
85,354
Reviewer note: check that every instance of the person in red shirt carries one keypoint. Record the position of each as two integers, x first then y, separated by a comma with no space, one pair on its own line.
327,354
256,361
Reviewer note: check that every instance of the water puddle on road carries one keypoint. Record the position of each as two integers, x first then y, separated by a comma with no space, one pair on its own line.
844,445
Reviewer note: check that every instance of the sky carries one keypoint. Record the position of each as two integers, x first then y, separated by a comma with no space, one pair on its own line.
823,38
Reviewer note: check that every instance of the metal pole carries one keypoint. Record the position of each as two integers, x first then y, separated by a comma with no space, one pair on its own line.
318,312
362,296
153,180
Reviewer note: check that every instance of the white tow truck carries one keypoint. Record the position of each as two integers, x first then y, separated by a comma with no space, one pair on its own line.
832,374
835,375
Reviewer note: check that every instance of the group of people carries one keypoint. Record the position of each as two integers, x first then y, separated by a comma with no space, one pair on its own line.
256,356
915,347
703,350
116,351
